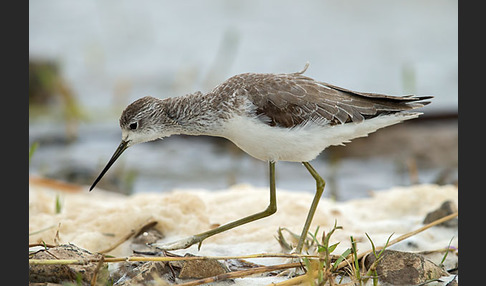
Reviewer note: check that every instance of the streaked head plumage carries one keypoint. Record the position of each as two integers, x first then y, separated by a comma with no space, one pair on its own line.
138,121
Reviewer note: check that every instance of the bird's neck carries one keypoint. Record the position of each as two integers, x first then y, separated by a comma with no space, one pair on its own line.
195,114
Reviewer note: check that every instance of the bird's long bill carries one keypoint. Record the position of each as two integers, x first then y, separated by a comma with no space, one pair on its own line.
122,147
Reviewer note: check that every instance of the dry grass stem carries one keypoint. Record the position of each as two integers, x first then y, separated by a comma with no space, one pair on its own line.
128,236
242,273
98,267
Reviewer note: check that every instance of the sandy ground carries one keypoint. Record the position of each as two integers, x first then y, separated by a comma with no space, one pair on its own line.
96,220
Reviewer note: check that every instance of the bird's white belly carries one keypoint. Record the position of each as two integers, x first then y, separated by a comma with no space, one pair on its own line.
269,143
299,144
277,144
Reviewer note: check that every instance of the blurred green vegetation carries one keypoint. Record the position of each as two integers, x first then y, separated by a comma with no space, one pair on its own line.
50,95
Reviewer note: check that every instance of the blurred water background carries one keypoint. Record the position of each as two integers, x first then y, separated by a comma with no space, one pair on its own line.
90,59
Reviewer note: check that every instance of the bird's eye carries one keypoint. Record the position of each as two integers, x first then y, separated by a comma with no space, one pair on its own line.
133,125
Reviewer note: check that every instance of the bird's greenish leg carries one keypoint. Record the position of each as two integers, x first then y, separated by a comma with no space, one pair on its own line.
199,238
320,183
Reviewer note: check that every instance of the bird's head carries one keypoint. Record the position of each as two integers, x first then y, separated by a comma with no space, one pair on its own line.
143,120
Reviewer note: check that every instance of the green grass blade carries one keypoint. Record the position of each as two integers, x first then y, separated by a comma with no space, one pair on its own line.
341,258
441,264
356,262
32,149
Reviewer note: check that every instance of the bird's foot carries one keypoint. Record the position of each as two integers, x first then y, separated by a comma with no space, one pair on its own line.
179,244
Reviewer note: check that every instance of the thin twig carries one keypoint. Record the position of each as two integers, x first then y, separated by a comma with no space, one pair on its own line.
57,261
119,242
186,258
42,230
128,236
98,267
242,273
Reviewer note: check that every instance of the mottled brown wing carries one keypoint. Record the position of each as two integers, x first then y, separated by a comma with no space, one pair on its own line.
288,100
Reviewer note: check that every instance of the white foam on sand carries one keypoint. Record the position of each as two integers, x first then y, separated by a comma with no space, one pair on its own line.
96,220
